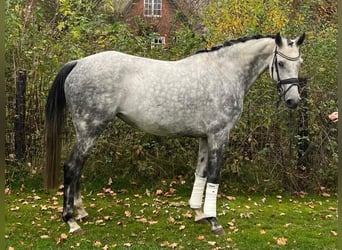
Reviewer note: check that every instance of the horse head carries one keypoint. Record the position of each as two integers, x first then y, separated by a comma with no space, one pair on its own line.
284,68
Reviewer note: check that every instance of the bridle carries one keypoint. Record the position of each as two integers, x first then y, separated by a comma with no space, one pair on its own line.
292,81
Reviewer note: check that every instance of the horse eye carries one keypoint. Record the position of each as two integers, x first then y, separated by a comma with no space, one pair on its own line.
281,64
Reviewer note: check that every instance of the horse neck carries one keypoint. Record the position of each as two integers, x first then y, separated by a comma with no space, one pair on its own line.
250,59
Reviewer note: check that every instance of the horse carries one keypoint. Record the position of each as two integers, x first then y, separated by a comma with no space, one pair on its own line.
198,96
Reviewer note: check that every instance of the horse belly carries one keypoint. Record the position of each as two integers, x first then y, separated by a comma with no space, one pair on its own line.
163,127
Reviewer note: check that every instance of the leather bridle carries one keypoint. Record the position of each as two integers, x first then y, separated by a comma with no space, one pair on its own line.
292,81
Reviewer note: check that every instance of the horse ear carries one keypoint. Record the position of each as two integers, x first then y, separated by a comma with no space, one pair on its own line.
278,40
300,40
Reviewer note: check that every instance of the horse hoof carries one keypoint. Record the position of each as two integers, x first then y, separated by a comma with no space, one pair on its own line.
218,231
78,231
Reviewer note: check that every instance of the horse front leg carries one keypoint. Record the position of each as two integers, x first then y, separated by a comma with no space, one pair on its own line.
216,146
196,198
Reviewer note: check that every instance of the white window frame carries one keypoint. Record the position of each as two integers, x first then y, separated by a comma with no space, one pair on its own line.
153,8
158,41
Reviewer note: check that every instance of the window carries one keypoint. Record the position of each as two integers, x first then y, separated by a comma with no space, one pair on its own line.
153,8
158,41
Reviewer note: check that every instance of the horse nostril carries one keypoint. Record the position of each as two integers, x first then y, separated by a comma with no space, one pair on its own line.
290,103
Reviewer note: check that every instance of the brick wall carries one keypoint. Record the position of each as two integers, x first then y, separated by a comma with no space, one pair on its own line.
162,25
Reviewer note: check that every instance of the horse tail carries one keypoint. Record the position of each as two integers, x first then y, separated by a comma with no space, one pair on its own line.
55,115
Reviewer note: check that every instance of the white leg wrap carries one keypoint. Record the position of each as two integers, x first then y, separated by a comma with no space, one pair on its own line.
197,192
210,200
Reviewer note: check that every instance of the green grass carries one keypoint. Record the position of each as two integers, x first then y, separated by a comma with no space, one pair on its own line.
136,218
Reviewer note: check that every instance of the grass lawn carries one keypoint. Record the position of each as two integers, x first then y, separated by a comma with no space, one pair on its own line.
160,218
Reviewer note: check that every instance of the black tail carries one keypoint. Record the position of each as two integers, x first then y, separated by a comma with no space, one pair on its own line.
55,114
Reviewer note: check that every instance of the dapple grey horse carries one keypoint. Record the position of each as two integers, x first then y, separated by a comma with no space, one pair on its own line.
199,96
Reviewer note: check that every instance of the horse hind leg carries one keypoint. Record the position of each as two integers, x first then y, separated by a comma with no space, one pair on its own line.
72,175
196,198
81,213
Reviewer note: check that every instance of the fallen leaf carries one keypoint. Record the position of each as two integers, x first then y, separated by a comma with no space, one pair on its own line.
262,231
171,219
188,214
8,191
212,243
143,220
165,244
281,241
98,222
64,236
101,195
152,222
159,192
173,245
182,227
128,214
311,206
110,182
230,198
334,233
128,244
108,218
97,244
246,215
43,207
201,237
36,198
44,236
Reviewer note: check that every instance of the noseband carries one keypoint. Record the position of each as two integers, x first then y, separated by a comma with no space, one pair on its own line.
292,81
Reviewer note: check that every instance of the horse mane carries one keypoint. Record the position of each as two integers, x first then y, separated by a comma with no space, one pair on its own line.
234,41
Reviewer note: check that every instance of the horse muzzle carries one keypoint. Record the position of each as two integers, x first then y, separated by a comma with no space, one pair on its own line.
292,103
289,88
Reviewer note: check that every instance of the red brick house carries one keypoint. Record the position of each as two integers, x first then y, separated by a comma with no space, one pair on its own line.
155,16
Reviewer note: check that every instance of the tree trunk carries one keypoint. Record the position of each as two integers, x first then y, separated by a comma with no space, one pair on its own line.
19,122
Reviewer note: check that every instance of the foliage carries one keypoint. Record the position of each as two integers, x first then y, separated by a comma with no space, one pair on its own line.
230,19
42,35
133,216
